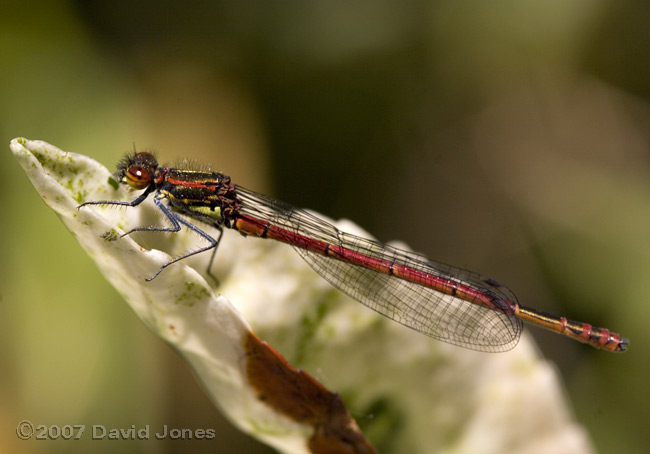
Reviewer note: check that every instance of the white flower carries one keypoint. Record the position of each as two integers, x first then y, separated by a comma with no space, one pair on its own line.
410,393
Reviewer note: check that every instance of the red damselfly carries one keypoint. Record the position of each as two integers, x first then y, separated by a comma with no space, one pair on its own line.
447,303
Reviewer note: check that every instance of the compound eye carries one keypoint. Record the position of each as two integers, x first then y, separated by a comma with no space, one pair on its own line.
138,177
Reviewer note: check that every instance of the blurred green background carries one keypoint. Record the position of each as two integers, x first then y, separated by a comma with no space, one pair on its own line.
507,137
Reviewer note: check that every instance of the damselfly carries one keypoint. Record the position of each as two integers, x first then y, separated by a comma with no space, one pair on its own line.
447,303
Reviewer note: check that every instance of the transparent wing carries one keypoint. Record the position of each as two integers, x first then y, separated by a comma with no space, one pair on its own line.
424,309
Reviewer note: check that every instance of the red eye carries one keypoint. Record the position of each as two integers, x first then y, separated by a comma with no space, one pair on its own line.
138,177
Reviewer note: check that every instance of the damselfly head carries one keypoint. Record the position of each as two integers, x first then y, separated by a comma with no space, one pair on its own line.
137,170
